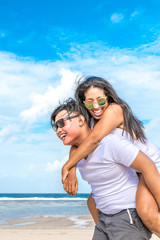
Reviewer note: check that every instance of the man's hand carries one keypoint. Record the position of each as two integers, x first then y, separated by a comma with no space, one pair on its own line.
71,183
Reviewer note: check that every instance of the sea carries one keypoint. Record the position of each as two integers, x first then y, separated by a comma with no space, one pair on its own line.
27,205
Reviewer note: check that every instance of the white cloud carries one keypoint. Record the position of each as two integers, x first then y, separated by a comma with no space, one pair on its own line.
3,175
152,128
30,167
19,77
152,124
8,133
44,103
56,165
116,17
135,13
51,167
30,90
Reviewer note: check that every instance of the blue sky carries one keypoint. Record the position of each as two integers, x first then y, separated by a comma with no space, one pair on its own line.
44,46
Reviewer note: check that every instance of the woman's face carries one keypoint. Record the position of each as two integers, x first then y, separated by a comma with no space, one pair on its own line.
93,94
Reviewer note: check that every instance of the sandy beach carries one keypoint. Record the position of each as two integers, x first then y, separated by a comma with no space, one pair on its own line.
47,228
49,234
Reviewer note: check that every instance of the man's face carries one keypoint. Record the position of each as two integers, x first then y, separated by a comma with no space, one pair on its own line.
70,132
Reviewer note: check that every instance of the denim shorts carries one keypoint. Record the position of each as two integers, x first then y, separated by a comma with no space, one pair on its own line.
125,225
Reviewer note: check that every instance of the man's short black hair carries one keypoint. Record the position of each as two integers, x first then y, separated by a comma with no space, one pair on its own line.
71,106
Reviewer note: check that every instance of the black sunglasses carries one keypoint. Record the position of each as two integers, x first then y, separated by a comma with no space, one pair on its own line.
60,123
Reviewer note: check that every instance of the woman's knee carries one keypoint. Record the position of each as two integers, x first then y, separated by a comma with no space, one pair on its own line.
144,211
149,216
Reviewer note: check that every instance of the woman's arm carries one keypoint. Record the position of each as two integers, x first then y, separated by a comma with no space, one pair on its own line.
71,183
150,173
112,118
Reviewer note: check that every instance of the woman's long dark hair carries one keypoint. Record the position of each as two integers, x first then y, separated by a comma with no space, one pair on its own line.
131,123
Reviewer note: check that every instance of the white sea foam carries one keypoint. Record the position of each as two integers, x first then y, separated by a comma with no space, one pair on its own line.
41,199
81,223
23,224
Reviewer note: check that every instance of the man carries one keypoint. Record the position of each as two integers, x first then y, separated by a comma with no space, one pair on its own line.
107,170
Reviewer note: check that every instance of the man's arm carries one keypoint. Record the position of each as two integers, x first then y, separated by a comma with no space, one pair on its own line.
71,183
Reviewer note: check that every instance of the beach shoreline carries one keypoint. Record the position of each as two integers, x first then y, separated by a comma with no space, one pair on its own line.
49,222
47,228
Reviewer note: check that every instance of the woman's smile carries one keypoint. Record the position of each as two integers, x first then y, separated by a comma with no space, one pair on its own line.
94,94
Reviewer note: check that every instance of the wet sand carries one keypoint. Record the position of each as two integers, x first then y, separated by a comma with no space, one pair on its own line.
47,228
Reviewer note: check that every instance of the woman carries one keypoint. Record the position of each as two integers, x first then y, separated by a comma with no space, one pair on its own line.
107,113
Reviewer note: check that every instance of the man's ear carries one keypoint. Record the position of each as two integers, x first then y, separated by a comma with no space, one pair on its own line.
81,120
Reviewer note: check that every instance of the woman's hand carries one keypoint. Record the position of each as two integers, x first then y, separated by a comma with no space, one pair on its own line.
71,183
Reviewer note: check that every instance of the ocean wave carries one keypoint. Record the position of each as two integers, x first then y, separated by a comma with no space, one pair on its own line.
41,199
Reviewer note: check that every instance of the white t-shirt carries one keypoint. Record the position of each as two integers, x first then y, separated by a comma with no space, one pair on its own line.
151,150
107,170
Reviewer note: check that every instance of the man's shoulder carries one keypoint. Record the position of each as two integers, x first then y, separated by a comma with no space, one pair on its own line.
110,138
113,142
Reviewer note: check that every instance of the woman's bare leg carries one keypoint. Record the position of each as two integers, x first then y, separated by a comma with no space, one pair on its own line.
92,208
147,207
